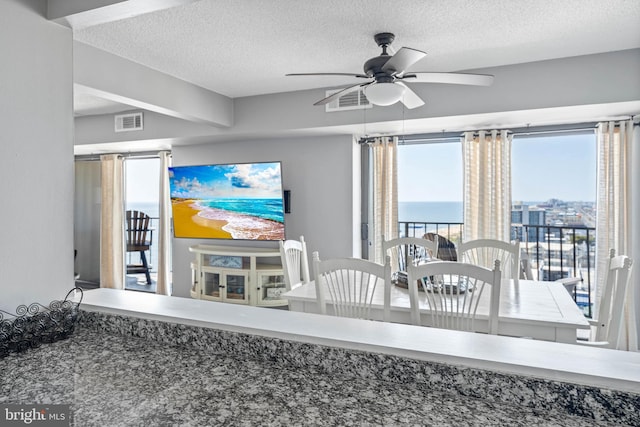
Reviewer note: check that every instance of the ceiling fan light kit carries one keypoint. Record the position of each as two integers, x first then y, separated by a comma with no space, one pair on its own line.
384,93
386,72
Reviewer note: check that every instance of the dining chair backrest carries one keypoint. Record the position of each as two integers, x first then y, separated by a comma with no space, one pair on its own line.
350,284
405,249
452,292
446,248
484,252
295,263
608,324
526,271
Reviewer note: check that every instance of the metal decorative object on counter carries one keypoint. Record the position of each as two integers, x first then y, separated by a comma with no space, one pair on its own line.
35,324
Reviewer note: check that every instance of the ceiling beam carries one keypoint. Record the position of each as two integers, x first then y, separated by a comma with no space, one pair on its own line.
79,14
117,79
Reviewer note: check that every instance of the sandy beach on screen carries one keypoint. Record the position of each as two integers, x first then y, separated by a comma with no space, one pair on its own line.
189,220
187,223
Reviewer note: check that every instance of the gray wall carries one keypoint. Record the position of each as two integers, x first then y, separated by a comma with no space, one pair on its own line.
581,82
87,210
323,181
36,156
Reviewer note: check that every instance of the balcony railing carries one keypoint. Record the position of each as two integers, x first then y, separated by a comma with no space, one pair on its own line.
450,230
554,252
558,252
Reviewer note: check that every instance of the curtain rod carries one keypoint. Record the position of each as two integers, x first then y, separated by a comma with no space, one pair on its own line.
519,131
140,155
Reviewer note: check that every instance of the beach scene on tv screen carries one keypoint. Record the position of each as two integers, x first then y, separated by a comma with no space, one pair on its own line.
232,201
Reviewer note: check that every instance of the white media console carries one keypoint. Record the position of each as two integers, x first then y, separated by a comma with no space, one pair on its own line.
239,275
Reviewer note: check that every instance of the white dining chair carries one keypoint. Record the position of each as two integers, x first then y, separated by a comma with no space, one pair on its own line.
404,250
295,263
453,292
350,284
606,328
446,248
484,252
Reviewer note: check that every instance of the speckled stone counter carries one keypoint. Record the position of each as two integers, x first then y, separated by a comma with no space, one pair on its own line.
119,370
113,379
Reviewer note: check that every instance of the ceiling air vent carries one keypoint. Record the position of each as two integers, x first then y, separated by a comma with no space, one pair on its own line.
128,122
351,101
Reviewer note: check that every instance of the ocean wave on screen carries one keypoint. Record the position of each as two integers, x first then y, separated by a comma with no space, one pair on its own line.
242,226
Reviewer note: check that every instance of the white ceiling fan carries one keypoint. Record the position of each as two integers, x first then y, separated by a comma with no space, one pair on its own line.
386,75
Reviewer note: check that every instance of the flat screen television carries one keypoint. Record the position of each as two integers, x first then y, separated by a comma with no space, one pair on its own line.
242,201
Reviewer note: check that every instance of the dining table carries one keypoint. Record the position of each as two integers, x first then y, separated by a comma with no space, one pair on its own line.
528,308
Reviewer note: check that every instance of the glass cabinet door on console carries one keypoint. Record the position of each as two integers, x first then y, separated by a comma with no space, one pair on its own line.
235,286
225,285
211,281
270,286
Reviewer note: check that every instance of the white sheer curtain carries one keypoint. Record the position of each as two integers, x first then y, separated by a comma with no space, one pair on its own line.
635,221
112,222
163,284
487,185
385,193
614,220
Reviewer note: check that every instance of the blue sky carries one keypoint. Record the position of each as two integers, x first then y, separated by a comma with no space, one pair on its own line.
244,180
142,181
430,172
247,180
554,167
542,168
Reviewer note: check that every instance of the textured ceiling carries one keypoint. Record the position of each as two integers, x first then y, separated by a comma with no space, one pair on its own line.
245,47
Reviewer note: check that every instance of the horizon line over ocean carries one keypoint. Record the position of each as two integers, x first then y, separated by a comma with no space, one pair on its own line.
430,211
441,212
407,211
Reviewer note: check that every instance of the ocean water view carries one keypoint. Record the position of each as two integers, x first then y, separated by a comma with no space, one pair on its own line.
271,209
430,212
150,208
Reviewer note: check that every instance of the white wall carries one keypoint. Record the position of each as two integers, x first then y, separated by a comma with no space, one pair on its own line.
36,156
319,171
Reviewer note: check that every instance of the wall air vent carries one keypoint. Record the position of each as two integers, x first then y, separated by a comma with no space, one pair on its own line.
128,122
355,100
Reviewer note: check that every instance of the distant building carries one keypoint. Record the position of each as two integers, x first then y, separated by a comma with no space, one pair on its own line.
522,214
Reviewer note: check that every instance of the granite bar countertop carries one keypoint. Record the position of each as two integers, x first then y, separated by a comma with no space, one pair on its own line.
518,358
122,380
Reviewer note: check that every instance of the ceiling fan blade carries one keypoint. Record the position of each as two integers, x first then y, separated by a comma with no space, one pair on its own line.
363,76
402,60
450,78
343,92
410,99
